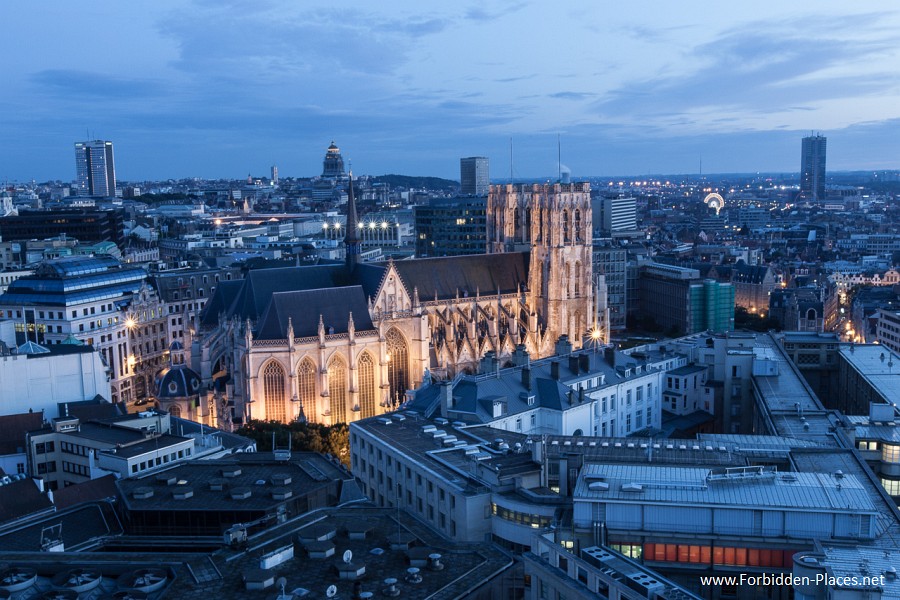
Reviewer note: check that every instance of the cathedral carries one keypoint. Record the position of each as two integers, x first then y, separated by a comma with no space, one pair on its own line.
340,342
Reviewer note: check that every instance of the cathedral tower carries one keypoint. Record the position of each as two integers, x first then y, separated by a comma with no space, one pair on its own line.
553,223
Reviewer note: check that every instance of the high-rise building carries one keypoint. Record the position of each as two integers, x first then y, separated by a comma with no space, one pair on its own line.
274,175
451,226
474,178
95,168
812,168
613,215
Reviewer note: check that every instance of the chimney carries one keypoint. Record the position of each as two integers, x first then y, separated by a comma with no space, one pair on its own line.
584,362
520,357
610,355
554,369
580,395
446,397
563,346
526,378
573,364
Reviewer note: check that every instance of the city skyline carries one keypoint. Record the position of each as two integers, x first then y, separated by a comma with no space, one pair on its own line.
232,88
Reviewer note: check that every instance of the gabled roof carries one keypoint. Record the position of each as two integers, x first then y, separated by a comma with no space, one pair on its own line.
444,277
13,429
88,491
304,307
21,498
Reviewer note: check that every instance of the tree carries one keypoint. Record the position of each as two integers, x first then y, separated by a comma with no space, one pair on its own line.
305,437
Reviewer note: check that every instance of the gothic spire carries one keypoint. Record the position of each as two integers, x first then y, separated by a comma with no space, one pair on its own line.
351,239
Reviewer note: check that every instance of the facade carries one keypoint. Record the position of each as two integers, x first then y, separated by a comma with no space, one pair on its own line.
586,393
887,330
40,378
84,225
812,168
451,226
554,222
611,262
594,572
679,301
87,299
614,215
68,452
753,284
95,168
336,343
474,176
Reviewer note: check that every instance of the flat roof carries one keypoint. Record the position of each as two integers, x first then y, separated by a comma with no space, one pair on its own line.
150,444
452,464
751,488
307,472
786,390
878,365
847,563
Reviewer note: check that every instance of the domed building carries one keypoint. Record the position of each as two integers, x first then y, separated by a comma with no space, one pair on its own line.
333,165
179,390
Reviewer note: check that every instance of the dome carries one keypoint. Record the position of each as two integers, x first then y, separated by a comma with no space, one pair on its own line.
177,381
176,345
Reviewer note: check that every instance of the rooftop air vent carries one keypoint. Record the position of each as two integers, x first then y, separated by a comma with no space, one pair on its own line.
231,472
281,493
183,493
166,479
632,487
281,479
142,493
241,493
217,484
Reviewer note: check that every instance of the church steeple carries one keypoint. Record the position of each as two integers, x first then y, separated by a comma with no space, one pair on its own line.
351,239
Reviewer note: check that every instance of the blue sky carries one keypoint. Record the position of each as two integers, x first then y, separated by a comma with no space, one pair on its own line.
217,88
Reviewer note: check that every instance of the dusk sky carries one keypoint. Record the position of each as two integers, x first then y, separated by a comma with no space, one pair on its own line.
213,88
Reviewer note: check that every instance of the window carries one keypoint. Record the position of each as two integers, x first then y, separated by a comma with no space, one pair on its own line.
337,388
273,392
367,393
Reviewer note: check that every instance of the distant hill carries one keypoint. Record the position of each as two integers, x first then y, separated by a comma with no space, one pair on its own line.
429,183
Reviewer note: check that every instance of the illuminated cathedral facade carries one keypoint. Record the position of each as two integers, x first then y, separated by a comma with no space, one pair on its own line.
336,343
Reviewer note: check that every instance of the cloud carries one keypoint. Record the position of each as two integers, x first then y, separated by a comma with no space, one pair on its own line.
84,84
572,95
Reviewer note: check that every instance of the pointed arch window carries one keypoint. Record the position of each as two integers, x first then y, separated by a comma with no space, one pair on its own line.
337,388
306,386
366,373
398,366
577,225
273,392
565,226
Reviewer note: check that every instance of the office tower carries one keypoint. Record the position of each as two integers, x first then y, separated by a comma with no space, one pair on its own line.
274,176
473,176
95,168
451,226
614,215
812,168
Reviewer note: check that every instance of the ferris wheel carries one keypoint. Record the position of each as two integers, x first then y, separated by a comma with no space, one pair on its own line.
714,201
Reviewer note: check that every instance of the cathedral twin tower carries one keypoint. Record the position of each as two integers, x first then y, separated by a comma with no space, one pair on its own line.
553,223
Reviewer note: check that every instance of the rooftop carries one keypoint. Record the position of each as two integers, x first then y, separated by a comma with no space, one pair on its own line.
229,485
747,487
877,365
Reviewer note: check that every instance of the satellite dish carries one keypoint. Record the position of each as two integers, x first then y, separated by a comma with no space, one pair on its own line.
331,592
348,556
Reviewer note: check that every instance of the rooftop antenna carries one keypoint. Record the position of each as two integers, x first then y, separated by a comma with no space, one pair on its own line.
558,159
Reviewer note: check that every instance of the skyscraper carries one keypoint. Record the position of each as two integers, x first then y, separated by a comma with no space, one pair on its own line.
812,168
473,176
95,168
